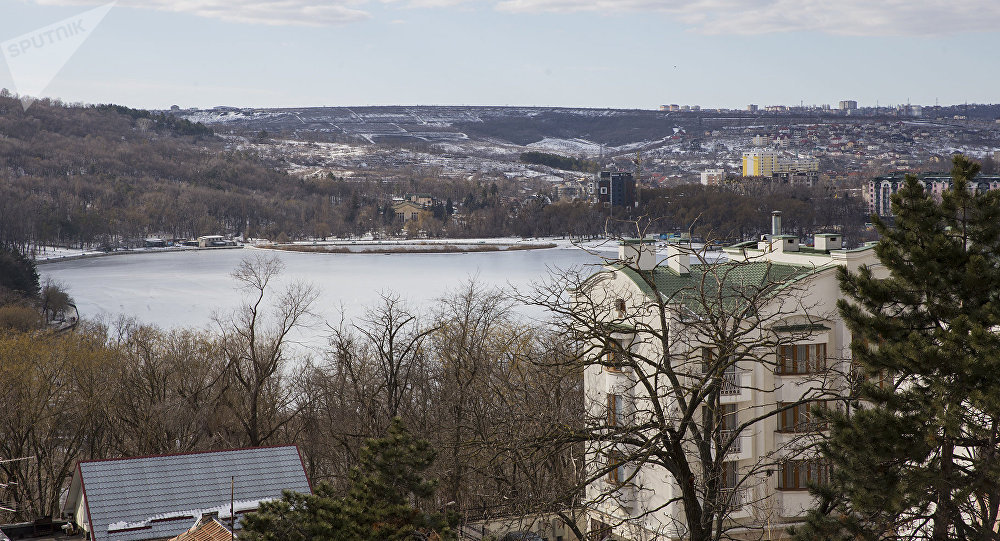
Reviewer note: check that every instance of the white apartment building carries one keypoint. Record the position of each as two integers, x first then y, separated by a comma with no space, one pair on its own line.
713,177
791,346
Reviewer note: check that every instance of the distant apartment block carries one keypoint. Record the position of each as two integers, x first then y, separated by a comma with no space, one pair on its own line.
796,165
880,190
682,108
752,107
848,105
759,163
713,177
615,189
769,163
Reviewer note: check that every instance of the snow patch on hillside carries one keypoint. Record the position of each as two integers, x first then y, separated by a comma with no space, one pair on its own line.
579,147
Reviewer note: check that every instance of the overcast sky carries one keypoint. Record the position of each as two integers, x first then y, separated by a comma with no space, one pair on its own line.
586,53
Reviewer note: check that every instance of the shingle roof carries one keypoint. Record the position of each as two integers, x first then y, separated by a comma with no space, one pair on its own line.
718,282
159,497
206,530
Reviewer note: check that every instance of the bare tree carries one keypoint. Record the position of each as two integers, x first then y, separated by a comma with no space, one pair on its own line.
51,412
683,362
257,344
170,389
376,369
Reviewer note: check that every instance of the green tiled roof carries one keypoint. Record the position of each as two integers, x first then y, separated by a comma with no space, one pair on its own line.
736,280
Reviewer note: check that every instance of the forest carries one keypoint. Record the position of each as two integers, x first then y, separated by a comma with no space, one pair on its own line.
560,162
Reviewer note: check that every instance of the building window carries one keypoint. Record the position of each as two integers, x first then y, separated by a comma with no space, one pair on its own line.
801,358
798,474
616,410
599,531
614,356
604,190
730,377
620,306
616,463
798,418
730,476
728,423
727,417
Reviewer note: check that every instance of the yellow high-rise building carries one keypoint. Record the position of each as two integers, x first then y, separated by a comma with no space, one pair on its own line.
759,163
765,163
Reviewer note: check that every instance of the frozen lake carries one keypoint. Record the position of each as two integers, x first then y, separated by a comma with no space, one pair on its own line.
184,289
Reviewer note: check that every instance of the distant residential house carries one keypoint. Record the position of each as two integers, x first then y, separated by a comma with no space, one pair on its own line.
214,241
159,497
571,190
408,210
422,199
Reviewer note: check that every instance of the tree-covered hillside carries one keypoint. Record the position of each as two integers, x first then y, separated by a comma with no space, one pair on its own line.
108,174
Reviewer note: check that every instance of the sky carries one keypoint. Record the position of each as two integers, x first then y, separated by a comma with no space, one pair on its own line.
568,53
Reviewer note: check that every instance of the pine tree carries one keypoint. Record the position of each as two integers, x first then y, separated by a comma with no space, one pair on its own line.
17,273
299,517
389,493
387,500
915,454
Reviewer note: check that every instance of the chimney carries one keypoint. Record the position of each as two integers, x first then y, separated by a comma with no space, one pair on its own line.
639,254
828,241
679,258
775,223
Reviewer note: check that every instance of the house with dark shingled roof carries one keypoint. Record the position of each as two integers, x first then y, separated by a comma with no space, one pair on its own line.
159,497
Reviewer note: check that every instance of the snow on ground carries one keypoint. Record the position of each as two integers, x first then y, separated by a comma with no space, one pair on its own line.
567,146
638,145
46,253
223,117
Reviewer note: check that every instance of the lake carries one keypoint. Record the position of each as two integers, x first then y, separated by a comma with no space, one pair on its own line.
184,289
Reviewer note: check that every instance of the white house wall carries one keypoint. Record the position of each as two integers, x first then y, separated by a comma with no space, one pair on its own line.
815,295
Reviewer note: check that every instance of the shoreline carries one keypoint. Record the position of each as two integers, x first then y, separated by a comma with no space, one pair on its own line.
387,247
394,247
174,249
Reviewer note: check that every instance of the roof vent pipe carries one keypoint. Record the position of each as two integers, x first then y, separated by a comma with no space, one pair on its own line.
775,223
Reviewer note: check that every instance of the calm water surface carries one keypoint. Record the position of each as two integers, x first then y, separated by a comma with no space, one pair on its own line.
184,289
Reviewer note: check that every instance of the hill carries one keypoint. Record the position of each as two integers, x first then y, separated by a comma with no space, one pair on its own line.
109,175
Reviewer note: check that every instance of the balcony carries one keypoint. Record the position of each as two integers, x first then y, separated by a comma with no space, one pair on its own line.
739,501
736,387
741,448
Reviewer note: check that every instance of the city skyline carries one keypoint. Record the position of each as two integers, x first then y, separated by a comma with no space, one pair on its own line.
566,53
